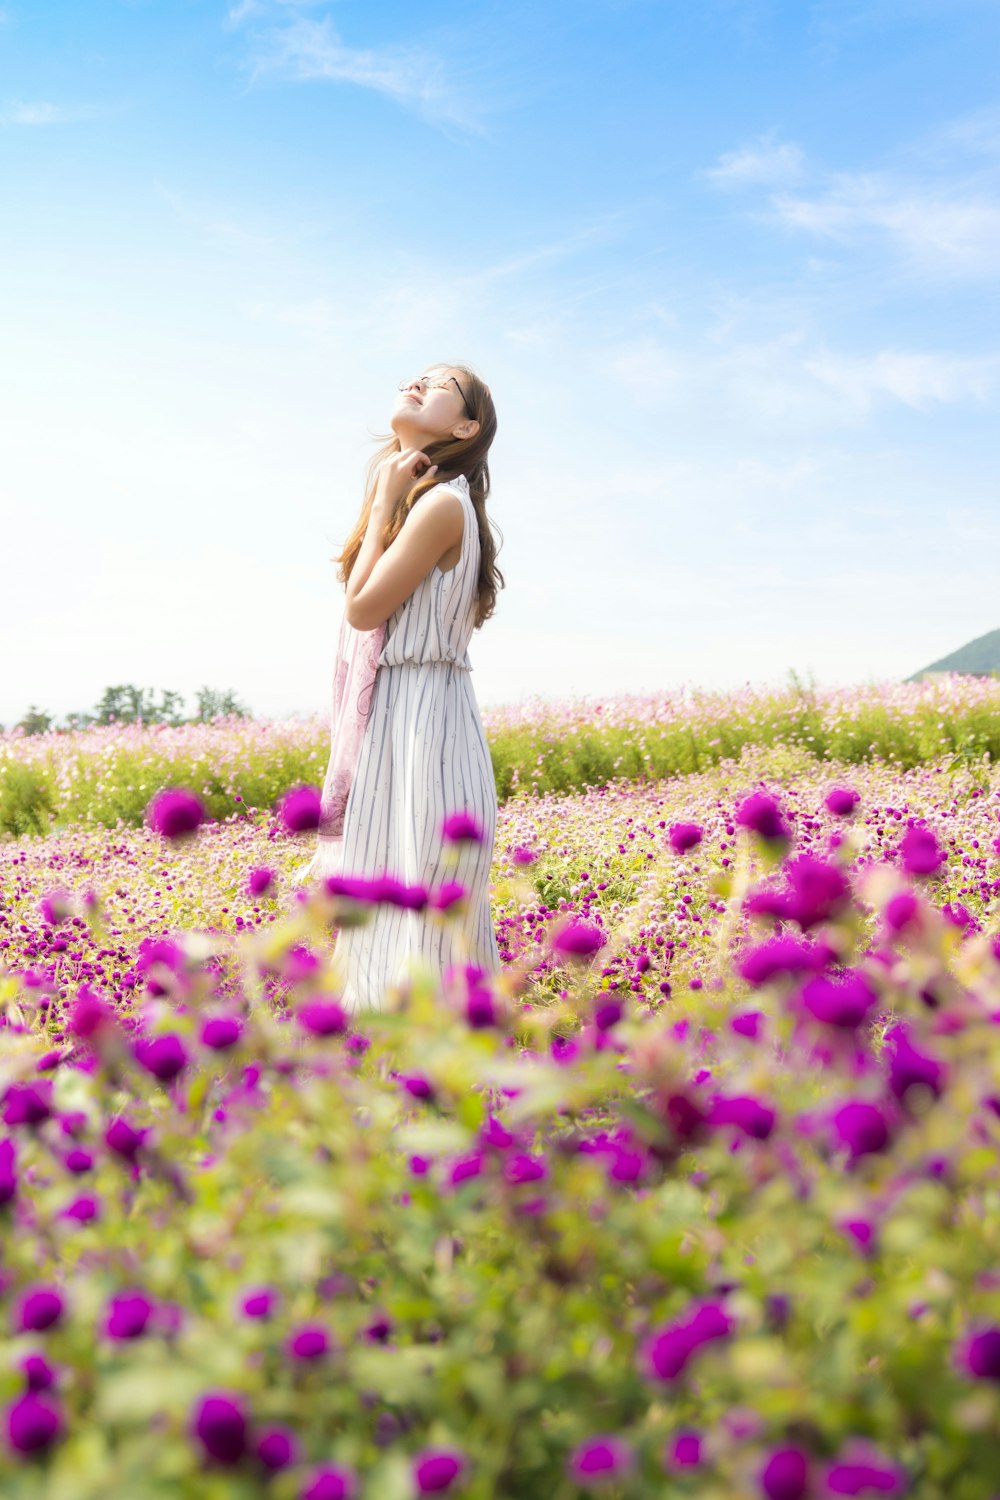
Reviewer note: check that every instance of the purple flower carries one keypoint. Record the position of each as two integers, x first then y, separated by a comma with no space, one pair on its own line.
465,1168
175,813
818,890
260,881
902,911
980,1354
331,1483
417,1086
128,1315
436,1470
259,1303
38,1373
220,1424
301,809
522,855
747,1023
221,1032
275,1448
163,1056
322,1017
762,815
748,1114
521,1168
461,827
598,1461
27,1103
83,1210
39,1308
780,955
841,1000
578,940
607,1014
910,1068
862,1470
480,1009
33,1423
863,1128
785,1476
919,851
667,1352
861,1231
310,1342
122,1139
8,1171
90,1015
56,907
842,800
684,836
684,1452
447,895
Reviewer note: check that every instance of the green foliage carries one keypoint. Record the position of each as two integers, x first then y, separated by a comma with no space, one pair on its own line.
27,802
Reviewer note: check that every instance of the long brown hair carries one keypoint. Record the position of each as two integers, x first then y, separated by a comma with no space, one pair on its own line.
453,456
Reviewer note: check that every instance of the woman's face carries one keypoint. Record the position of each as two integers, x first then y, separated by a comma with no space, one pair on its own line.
432,406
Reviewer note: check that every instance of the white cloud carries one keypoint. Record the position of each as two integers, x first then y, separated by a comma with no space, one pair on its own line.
916,380
765,164
43,113
935,229
412,77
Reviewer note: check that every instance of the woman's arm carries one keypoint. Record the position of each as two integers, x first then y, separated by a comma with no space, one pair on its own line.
381,580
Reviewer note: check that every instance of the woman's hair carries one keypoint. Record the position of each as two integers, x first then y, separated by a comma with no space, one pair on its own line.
453,456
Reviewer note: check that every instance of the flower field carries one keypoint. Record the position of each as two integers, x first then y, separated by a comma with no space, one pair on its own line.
698,1197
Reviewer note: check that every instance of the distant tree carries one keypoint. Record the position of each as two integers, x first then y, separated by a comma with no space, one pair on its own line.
77,720
127,704
212,703
35,722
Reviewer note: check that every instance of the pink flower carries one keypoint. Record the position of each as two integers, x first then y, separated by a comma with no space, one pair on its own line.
599,1461
762,815
300,809
260,881
919,851
578,940
322,1017
685,836
462,828
842,800
436,1470
175,813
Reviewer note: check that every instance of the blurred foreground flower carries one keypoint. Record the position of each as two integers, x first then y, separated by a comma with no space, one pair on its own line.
300,809
462,827
175,813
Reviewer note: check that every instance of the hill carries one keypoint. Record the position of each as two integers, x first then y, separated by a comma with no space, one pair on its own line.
978,658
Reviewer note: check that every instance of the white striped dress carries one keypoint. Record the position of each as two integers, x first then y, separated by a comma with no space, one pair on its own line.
424,756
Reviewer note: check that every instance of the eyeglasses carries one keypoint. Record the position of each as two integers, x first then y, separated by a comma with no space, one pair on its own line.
425,384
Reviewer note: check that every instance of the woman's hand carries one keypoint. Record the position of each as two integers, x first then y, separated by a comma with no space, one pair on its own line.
398,474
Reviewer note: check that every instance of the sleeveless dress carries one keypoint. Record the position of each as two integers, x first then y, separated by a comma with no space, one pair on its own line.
424,755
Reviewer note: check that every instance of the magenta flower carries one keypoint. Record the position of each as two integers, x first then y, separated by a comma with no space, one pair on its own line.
863,1128
842,800
83,1210
275,1448
310,1342
461,828
862,1470
122,1139
521,1168
417,1086
979,1354
747,1023
300,809
842,1000
90,1015
780,955
331,1483
219,1423
33,1423
599,1461
762,815
27,1103
436,1470
684,1451
39,1308
260,881
175,814
8,1172
219,1033
522,855
748,1114
465,1168
56,907
448,894
128,1316
578,940
667,1352
685,836
818,891
919,851
164,1056
785,1476
259,1303
38,1373
322,1017
902,911
910,1068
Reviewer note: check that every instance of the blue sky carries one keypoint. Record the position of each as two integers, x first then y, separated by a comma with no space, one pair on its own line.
730,268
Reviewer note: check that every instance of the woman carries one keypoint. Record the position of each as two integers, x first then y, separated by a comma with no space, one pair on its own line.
408,742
